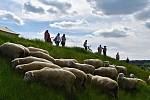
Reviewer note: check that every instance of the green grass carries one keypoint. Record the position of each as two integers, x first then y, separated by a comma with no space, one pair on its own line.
12,87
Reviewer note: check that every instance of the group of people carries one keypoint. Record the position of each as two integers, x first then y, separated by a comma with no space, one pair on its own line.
102,49
57,39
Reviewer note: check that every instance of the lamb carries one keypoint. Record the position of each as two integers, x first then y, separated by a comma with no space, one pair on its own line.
13,50
33,49
65,62
95,62
40,54
26,60
80,77
106,72
104,83
84,67
36,65
52,77
129,83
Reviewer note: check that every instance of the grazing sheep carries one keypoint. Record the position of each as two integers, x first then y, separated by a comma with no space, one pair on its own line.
84,67
36,65
148,80
13,50
129,83
121,69
80,77
52,77
19,61
106,72
33,49
40,54
104,84
65,62
95,62
106,63
131,76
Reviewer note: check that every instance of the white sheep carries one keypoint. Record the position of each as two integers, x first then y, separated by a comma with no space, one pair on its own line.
29,59
84,67
95,62
52,77
129,83
65,62
40,54
13,50
80,77
148,80
121,69
33,49
106,72
36,65
104,84
106,63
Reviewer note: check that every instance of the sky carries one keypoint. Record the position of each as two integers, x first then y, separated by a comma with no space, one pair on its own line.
122,25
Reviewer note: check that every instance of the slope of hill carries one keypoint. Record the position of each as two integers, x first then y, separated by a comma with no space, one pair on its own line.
12,87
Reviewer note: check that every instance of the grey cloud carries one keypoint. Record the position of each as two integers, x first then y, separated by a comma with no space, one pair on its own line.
30,8
112,34
147,24
61,6
143,15
52,11
118,7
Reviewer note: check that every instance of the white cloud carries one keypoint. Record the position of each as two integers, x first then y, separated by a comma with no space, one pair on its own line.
70,24
117,7
6,15
147,24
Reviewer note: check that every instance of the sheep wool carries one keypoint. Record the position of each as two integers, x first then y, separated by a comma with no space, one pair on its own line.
95,62
32,49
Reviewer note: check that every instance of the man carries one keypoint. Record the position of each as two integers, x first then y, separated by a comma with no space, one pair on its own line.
104,50
85,44
57,39
99,49
117,56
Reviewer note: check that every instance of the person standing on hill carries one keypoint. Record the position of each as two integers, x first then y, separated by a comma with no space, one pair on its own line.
47,37
100,49
127,60
63,40
57,39
85,45
104,50
117,56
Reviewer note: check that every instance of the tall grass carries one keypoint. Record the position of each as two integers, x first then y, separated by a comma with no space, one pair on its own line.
12,87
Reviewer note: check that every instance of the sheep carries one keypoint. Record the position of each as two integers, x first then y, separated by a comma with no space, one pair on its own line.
33,49
106,63
84,67
52,77
65,62
103,83
40,54
26,60
121,69
148,80
95,62
131,76
80,77
36,65
13,50
129,83
106,72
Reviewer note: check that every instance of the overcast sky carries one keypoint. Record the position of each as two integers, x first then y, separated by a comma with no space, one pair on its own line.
122,25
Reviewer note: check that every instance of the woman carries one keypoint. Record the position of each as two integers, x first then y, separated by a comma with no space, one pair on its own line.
63,40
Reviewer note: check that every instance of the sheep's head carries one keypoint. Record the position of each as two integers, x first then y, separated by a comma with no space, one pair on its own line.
70,63
132,75
29,76
14,63
120,75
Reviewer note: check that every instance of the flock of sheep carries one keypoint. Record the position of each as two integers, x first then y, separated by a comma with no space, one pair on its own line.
37,65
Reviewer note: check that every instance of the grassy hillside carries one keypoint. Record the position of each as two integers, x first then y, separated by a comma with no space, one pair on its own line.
12,87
